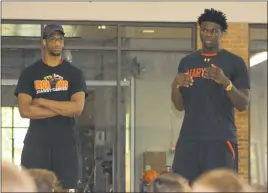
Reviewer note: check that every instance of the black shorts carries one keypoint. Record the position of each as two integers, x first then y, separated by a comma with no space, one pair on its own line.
65,162
192,158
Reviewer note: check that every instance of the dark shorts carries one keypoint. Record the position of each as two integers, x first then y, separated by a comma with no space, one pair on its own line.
192,158
65,162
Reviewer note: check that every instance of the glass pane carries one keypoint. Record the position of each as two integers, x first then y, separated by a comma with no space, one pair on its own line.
90,35
19,135
8,98
258,45
258,108
21,42
6,116
97,126
258,39
258,33
96,65
18,121
165,38
30,30
152,85
7,144
14,60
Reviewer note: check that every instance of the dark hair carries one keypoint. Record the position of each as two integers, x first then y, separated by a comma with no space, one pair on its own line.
45,181
214,16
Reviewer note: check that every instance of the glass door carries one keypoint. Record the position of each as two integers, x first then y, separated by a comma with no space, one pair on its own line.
106,148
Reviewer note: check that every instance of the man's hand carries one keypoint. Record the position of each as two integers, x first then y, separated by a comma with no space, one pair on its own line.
183,79
215,73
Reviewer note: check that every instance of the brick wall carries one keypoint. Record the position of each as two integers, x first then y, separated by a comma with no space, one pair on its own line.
236,41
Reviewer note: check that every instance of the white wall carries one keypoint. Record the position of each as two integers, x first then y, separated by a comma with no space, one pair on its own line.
251,12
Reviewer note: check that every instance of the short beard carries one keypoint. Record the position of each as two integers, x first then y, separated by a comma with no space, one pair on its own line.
53,54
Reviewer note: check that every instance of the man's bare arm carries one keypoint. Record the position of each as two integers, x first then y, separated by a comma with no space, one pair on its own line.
177,98
27,110
66,108
239,98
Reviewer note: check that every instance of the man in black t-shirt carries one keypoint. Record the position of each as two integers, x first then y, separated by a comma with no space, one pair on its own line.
210,83
51,92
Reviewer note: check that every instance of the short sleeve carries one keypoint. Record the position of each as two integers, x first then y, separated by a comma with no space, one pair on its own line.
181,68
25,84
240,77
78,83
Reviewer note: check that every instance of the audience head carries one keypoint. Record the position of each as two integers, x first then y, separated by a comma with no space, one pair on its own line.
169,182
220,180
14,180
259,188
45,181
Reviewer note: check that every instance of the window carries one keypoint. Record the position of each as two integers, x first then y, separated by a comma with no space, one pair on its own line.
15,59
149,53
90,36
6,144
96,65
153,89
258,105
21,30
14,129
20,35
162,38
258,38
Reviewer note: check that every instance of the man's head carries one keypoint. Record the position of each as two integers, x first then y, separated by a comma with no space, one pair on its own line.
45,181
212,24
169,182
14,180
220,180
53,39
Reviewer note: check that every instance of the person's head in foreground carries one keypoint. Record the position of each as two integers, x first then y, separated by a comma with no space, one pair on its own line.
220,180
14,180
46,181
212,25
169,182
260,187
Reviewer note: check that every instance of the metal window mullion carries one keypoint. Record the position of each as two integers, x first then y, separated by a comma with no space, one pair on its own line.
6,46
120,154
41,40
80,47
156,50
12,135
107,83
194,38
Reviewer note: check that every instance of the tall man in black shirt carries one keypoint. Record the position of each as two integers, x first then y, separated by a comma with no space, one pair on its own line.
51,92
210,83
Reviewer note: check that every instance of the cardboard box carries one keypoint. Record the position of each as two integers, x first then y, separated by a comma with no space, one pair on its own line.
154,160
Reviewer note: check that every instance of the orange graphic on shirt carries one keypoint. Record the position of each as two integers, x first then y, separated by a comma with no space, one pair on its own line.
42,85
62,84
196,72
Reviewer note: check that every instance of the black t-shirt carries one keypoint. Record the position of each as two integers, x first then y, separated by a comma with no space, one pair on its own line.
209,113
55,83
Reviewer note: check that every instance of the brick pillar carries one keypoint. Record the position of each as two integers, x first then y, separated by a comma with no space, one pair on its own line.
236,40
